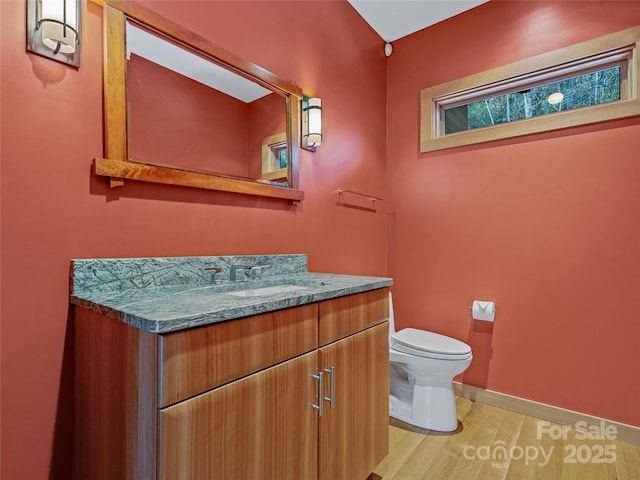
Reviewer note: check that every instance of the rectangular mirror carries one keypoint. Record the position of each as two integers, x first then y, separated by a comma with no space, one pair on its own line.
180,110
186,111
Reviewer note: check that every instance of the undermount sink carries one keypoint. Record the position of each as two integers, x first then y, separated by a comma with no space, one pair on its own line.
256,292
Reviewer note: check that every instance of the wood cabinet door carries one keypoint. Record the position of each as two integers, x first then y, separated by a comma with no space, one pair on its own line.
354,432
260,427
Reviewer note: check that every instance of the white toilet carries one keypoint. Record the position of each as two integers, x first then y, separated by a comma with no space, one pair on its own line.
422,367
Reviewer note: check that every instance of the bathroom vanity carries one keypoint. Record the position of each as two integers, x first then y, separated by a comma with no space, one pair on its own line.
180,377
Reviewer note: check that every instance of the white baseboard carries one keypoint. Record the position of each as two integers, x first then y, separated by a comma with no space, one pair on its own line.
625,433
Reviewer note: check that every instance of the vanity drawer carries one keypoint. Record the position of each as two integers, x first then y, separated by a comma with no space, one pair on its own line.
344,316
196,360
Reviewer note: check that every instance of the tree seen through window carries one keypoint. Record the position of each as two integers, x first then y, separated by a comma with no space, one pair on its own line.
581,91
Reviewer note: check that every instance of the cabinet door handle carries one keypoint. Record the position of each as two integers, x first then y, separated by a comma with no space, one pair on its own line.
331,398
320,394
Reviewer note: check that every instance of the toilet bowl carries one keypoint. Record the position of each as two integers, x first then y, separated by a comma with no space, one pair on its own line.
422,367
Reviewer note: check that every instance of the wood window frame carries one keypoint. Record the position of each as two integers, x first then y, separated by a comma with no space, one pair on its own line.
620,48
270,163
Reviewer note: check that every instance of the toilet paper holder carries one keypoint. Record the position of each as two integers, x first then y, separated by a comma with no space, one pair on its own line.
483,310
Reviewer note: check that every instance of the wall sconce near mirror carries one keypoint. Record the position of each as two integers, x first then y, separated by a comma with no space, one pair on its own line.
311,123
53,29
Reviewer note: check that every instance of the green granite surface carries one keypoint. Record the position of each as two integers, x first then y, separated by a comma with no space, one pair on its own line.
173,293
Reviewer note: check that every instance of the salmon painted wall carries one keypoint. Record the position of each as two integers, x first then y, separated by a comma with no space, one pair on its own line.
54,209
547,225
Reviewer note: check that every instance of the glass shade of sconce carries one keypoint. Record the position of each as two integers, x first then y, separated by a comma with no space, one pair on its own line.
311,123
53,29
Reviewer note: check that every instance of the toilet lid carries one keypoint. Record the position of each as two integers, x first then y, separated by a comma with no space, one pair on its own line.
429,344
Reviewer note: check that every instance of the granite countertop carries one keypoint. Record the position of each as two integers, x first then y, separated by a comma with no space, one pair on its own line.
162,307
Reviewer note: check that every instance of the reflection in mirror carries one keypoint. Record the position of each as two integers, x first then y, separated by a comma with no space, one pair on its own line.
187,112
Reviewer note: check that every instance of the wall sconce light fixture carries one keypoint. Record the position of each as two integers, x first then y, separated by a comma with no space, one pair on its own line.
311,123
53,29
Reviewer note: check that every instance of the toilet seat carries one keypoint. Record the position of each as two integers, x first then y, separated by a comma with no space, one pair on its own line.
430,345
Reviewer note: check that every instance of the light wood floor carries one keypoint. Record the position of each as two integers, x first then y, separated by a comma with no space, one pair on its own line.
492,443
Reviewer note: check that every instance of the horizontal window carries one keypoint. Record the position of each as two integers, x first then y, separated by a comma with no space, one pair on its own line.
590,82
594,88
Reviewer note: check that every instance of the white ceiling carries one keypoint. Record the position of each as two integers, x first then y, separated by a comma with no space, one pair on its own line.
180,60
393,19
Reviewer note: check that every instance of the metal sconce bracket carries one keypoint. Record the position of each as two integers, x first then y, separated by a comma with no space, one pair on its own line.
70,28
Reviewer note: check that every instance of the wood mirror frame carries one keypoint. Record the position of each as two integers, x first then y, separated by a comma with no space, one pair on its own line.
116,165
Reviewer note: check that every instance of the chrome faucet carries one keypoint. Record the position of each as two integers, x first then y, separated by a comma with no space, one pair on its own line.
244,273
